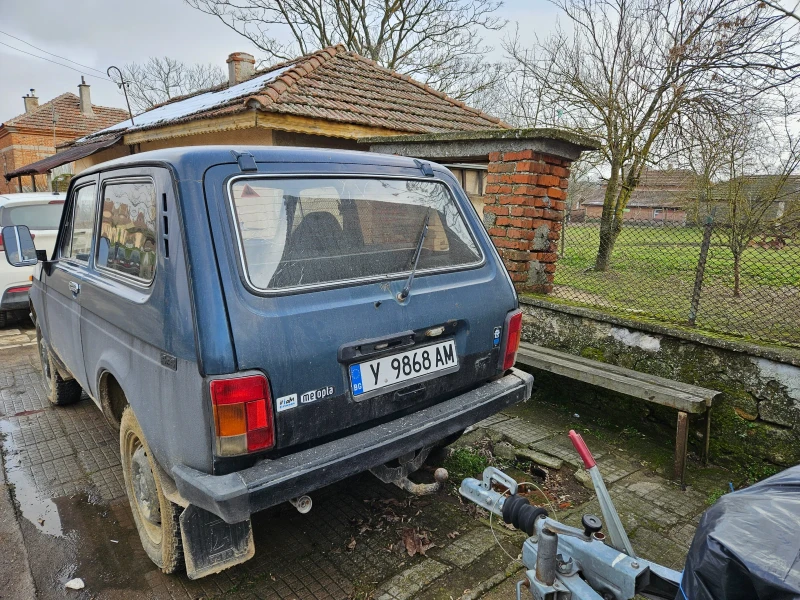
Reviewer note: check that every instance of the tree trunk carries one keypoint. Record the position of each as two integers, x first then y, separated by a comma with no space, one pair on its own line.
736,264
611,226
607,237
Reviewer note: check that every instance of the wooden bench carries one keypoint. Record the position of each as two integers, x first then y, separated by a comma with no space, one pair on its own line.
683,397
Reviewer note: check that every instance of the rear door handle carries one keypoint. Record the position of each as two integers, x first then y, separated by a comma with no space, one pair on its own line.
74,287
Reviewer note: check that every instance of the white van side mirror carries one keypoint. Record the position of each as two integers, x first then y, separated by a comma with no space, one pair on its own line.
18,243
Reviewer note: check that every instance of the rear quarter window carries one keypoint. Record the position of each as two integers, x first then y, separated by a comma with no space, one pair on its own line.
297,232
127,241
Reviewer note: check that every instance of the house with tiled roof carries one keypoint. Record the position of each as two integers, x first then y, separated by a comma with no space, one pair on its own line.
35,134
327,99
663,195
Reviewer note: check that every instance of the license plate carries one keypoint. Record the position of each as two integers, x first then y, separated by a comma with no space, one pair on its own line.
383,372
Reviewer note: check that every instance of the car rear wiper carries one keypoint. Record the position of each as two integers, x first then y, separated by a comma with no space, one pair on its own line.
407,288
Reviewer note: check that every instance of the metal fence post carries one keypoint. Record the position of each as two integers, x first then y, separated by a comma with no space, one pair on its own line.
564,232
700,271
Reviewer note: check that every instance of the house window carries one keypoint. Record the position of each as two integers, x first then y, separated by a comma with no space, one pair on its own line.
471,177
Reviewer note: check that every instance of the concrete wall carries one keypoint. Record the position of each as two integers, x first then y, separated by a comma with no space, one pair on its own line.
757,417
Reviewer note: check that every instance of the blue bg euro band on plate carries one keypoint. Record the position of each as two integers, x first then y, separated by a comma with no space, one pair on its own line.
355,380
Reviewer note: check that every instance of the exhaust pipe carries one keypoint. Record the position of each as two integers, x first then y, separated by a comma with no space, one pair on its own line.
302,504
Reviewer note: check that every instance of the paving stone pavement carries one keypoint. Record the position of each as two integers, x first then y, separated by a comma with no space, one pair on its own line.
349,546
19,332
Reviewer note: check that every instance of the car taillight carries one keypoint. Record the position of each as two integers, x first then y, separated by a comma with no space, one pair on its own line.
511,338
18,290
1,243
242,415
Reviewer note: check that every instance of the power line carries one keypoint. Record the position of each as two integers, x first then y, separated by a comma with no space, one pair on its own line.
57,63
51,54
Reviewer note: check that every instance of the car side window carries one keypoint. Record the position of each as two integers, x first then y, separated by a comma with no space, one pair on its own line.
127,242
77,240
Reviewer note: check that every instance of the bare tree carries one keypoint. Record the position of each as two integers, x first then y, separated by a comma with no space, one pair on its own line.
627,68
160,79
435,41
780,7
748,178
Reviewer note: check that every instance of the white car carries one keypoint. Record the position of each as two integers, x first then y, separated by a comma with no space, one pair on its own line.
41,212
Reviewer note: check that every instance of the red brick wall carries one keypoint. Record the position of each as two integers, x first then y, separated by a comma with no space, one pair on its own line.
523,212
20,148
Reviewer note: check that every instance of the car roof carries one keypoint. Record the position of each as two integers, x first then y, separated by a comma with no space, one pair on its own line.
30,198
191,158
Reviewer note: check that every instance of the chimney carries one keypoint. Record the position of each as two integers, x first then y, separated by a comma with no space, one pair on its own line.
31,101
241,66
86,98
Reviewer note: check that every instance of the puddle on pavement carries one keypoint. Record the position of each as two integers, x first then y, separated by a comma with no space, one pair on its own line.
37,508
107,550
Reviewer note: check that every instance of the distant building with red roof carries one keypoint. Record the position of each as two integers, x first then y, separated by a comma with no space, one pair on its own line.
35,134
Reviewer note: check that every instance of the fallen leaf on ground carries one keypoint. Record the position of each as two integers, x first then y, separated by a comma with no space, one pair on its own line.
351,546
416,541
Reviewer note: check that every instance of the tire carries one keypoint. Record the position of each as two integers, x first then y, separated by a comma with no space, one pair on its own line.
59,391
157,519
3,318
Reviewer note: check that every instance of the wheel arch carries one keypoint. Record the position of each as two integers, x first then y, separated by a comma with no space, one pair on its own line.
112,397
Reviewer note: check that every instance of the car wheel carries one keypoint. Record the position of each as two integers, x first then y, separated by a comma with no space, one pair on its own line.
156,518
60,391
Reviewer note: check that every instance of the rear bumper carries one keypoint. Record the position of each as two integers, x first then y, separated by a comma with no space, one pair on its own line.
15,298
234,497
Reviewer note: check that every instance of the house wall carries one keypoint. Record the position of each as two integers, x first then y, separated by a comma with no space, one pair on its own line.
117,151
640,213
253,136
755,421
257,136
22,147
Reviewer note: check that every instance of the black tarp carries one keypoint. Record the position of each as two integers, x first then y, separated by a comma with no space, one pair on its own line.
747,546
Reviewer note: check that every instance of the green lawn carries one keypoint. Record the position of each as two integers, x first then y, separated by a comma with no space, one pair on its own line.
653,273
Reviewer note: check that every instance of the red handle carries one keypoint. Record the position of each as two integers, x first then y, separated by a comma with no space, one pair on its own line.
582,448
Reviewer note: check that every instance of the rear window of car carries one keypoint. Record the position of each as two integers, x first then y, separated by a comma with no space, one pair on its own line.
35,216
308,232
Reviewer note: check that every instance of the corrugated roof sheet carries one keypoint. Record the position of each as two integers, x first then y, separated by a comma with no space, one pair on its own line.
61,158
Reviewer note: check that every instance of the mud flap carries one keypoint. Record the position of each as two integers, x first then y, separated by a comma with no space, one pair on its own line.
211,545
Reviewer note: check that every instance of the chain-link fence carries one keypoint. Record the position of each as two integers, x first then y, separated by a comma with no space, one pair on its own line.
710,277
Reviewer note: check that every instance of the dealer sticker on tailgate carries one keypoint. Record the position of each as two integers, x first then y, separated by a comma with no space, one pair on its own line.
389,370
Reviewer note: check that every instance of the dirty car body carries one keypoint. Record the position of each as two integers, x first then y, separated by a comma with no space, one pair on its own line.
248,306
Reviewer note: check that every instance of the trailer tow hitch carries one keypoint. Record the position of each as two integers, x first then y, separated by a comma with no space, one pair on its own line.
406,465
567,563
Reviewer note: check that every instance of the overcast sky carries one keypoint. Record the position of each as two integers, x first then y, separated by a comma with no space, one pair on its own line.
99,33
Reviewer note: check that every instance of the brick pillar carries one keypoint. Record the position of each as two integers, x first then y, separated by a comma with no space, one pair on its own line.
525,198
